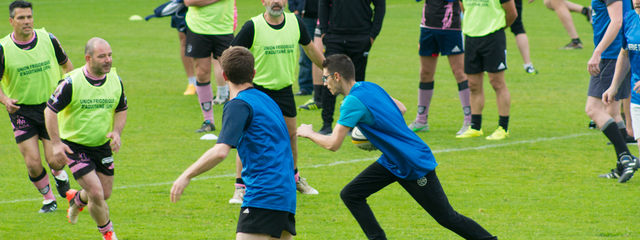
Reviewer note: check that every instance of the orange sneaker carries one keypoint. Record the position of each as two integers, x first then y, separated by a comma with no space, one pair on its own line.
110,235
74,210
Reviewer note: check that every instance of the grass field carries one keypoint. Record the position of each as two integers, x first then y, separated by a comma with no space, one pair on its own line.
539,184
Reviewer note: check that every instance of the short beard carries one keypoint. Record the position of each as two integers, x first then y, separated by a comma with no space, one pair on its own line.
275,13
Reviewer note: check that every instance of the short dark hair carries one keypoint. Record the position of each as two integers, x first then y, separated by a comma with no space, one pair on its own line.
238,65
18,4
341,64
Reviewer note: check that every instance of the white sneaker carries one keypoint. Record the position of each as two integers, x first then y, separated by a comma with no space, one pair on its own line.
238,196
304,188
219,101
419,127
464,128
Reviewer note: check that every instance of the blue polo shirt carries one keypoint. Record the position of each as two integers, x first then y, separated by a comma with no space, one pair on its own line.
601,21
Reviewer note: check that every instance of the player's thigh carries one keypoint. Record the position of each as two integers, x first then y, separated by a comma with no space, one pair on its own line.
30,151
90,182
599,83
291,125
198,45
252,236
428,44
107,184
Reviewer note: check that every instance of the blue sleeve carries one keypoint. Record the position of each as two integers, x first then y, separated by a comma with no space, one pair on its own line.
353,111
622,28
236,117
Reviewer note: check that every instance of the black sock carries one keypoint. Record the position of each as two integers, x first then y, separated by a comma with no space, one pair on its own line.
623,130
504,122
585,11
38,178
476,121
239,181
317,94
610,129
576,41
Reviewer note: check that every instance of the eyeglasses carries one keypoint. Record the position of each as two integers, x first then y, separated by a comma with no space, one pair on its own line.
324,78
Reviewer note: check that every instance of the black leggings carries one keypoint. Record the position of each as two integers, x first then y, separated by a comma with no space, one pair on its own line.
430,196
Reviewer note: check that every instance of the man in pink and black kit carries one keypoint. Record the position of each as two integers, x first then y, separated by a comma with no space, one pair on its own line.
440,33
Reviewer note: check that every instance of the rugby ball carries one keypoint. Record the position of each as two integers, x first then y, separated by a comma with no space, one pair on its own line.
358,139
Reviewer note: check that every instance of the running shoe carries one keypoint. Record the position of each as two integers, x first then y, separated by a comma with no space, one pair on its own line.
191,90
629,166
419,127
310,105
499,134
238,196
207,126
592,125
613,174
220,101
531,71
62,183
304,188
571,46
74,210
464,128
470,133
48,206
110,235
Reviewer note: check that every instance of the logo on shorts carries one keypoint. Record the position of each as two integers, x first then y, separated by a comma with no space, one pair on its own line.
421,109
189,48
83,157
456,49
21,122
107,160
365,54
246,210
502,66
206,106
422,181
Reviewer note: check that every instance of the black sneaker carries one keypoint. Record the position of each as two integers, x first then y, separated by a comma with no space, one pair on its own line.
48,207
302,93
207,126
62,183
571,46
629,166
613,174
326,130
592,125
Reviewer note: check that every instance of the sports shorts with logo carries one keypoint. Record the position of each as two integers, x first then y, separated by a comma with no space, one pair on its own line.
485,54
85,159
598,84
438,41
28,121
266,221
203,46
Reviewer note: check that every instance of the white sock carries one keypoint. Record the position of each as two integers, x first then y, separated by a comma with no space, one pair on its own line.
192,80
526,65
223,91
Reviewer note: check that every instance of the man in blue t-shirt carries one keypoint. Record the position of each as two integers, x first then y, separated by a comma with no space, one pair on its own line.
405,159
629,57
252,122
607,19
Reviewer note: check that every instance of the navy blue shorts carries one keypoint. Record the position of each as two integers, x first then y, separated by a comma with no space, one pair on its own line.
436,41
179,22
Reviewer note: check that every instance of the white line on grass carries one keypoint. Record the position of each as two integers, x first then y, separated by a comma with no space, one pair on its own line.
345,162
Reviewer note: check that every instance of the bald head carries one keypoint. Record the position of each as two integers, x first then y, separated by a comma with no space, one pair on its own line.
92,43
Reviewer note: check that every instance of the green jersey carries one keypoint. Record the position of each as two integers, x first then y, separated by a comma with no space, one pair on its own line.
215,19
482,17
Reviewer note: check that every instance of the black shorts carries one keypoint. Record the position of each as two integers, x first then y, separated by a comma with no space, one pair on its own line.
485,54
284,99
28,121
202,46
600,83
517,27
86,159
266,221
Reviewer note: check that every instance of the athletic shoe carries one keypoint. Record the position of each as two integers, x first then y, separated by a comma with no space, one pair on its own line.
74,210
613,174
62,183
499,134
631,139
571,46
191,90
419,127
629,166
304,188
238,196
464,128
310,105
220,101
110,235
207,126
470,133
592,125
302,93
326,130
48,206
531,71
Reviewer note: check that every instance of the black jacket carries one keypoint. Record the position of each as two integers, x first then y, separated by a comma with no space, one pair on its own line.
351,17
307,8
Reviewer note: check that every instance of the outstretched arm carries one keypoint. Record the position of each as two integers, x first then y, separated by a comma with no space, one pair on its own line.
209,159
314,54
332,142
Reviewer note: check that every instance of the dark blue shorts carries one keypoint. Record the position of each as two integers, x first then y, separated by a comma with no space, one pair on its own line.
179,22
436,41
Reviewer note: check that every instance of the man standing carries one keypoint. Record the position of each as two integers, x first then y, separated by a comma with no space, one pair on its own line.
91,110
348,27
440,32
30,63
273,38
517,28
486,43
405,158
210,26
563,9
252,123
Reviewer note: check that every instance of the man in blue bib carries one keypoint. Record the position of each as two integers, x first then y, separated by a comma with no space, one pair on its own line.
405,158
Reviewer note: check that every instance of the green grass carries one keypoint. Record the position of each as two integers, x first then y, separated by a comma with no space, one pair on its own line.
539,184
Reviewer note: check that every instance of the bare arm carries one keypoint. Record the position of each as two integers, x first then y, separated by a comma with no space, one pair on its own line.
314,54
332,142
615,13
59,149
622,67
67,67
119,120
206,162
199,3
401,106
461,6
9,103
510,12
